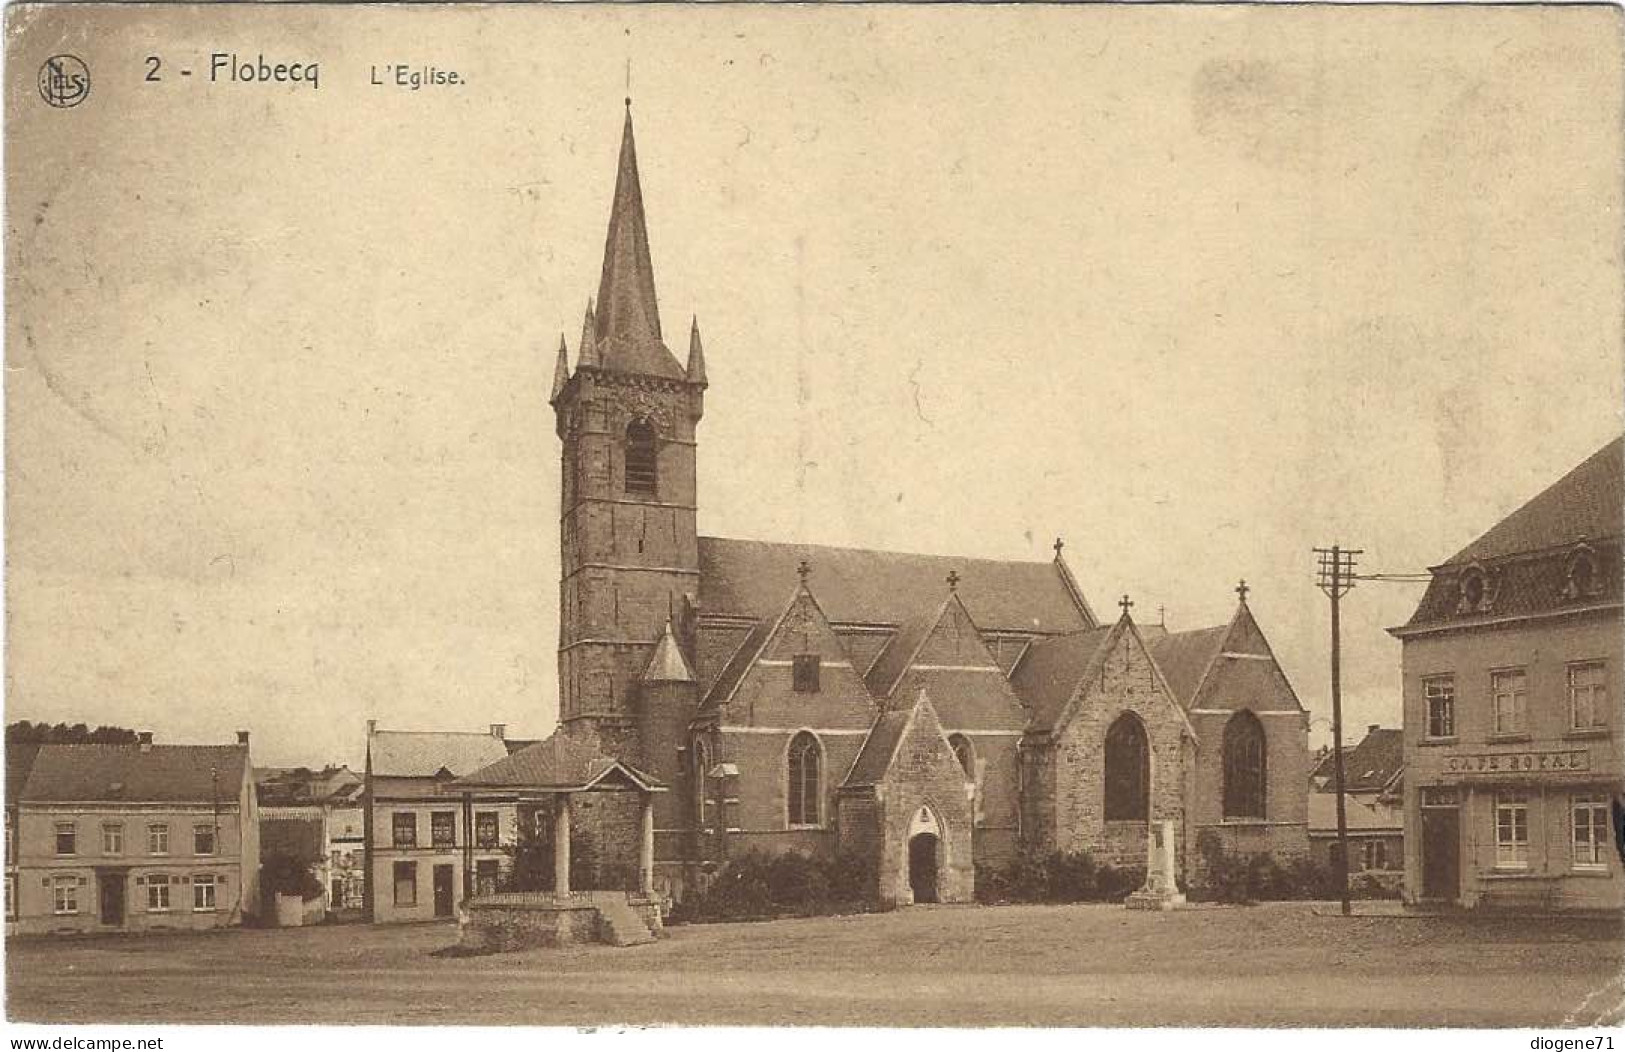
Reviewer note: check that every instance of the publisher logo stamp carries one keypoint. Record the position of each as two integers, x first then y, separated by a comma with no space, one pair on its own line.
64,81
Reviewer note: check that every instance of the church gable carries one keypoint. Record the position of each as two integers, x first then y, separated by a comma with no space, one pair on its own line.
793,673
950,661
1244,673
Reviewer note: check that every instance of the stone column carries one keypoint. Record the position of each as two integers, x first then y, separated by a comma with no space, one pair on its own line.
646,853
561,845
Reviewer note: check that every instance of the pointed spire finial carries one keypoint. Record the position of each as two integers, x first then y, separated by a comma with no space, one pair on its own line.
696,355
587,353
561,370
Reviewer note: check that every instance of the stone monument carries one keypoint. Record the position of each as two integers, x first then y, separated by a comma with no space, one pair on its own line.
1161,891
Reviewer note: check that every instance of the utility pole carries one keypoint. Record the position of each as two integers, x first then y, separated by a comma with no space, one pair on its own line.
1336,580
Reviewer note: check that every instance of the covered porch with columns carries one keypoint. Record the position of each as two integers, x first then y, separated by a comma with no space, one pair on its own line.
573,802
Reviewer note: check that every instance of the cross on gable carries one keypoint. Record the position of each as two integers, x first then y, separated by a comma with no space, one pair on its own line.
803,569
1242,589
953,580
1126,603
1059,544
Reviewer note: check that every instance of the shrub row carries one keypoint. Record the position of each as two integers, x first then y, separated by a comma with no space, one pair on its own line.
756,885
1059,876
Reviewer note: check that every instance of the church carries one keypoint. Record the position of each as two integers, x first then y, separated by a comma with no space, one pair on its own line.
933,713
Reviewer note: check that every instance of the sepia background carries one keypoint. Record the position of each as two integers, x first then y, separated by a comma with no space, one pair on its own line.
1197,289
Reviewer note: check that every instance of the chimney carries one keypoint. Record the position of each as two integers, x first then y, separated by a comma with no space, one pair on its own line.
499,731
242,737
145,740
372,727
1373,728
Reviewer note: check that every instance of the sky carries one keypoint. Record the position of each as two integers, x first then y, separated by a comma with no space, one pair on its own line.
1197,289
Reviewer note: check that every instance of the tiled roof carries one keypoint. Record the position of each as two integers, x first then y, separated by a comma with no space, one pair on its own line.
19,761
1518,587
667,664
189,773
421,754
1363,814
874,759
856,585
894,658
1183,657
556,762
1588,502
740,663
1051,669
1368,766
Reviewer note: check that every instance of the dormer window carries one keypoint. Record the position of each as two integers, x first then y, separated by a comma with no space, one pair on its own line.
642,458
1582,581
804,673
1477,591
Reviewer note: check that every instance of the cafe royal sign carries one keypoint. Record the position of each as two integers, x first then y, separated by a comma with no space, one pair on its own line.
1519,762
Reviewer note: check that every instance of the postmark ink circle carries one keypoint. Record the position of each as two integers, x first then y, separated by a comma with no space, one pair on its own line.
64,81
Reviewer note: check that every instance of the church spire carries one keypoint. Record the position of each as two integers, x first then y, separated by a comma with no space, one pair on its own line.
628,327
561,370
696,355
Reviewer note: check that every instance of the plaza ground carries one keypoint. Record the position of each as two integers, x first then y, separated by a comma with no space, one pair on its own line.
1088,965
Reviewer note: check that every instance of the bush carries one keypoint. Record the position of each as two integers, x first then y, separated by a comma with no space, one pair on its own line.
287,875
793,884
1253,878
1056,876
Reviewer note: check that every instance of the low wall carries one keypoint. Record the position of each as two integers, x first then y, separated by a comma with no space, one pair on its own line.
523,920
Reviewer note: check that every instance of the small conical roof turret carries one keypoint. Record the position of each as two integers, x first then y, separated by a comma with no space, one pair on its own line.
561,370
667,664
587,353
696,355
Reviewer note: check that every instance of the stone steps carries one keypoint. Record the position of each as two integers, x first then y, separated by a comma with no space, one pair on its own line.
620,923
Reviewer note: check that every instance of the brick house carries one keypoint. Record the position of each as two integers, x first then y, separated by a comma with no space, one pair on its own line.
1512,718
130,837
765,681
422,844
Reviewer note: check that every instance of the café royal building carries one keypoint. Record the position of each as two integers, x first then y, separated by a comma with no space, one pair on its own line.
1512,717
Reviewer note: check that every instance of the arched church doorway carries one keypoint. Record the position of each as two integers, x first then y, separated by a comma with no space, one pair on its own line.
925,850
922,866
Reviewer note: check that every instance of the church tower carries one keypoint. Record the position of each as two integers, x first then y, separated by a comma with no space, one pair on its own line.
626,417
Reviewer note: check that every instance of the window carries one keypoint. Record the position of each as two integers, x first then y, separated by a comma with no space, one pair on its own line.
203,892
485,876
443,828
1588,695
157,893
642,459
1245,767
485,828
112,839
1507,687
406,883
65,895
1128,771
67,839
1374,855
1511,831
962,753
157,840
1590,831
404,827
805,759
1440,694
702,767
203,840
804,673
11,897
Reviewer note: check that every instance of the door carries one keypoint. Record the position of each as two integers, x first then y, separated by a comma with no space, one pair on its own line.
922,867
442,890
1441,853
110,890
